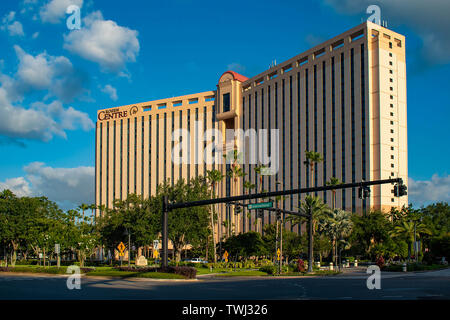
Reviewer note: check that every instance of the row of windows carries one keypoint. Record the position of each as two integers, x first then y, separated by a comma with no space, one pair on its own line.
105,154
287,91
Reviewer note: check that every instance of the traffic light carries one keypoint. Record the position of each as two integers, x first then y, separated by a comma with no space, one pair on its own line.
363,192
260,213
278,215
366,192
400,190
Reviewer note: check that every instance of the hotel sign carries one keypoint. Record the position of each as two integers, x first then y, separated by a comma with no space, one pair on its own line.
116,113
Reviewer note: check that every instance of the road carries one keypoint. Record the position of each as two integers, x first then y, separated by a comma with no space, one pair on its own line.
348,286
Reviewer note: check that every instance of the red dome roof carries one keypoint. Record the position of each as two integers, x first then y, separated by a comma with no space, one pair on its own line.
236,76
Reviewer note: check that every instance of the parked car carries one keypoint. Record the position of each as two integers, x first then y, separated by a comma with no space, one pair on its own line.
197,260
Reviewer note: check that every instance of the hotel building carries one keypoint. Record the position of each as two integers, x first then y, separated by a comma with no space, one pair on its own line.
344,98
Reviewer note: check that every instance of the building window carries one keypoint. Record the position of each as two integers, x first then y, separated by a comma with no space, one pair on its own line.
226,102
392,156
392,114
392,105
390,53
392,200
392,130
390,45
392,139
392,148
390,63
392,122
391,80
391,72
392,165
392,89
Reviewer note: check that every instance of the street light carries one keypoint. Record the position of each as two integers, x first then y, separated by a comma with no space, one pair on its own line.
127,233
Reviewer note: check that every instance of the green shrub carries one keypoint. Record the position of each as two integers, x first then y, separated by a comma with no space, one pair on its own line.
269,269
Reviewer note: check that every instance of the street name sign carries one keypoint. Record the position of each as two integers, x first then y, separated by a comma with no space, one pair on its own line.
260,205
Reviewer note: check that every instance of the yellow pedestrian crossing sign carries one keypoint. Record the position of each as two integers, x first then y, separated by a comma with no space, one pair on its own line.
225,255
121,247
155,254
278,254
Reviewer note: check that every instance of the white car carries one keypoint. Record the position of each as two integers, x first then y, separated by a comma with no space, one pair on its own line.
197,260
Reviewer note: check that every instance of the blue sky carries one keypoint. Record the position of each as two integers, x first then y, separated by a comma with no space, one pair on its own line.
53,80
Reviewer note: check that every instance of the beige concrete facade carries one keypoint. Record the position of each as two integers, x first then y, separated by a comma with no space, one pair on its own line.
345,98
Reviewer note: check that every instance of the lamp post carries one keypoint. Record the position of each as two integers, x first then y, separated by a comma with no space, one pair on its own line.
127,233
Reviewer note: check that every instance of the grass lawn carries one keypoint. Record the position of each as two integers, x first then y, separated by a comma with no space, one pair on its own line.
242,273
127,274
314,273
99,271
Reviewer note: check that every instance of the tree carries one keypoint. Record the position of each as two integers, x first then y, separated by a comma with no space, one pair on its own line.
245,245
408,231
333,182
312,158
369,230
313,207
83,207
213,177
235,172
338,226
186,225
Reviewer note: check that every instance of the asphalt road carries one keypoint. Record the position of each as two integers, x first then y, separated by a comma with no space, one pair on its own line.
348,286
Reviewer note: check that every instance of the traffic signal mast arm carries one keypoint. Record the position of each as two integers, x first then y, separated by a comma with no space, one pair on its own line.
171,206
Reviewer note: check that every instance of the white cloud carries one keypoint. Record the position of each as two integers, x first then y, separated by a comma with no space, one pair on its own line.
46,72
35,35
54,10
104,42
40,121
427,191
111,91
19,186
13,26
69,187
428,18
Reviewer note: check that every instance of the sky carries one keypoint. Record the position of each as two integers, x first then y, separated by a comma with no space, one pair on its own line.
53,79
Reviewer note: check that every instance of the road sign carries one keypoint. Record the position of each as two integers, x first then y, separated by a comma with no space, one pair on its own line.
121,254
57,248
260,205
155,254
156,244
278,254
121,247
225,255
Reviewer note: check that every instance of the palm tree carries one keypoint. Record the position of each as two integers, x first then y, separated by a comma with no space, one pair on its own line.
312,158
92,207
235,173
314,207
408,230
83,207
338,225
213,177
102,209
259,170
333,182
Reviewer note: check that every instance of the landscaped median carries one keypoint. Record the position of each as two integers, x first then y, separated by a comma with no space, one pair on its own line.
398,267
171,272
123,272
